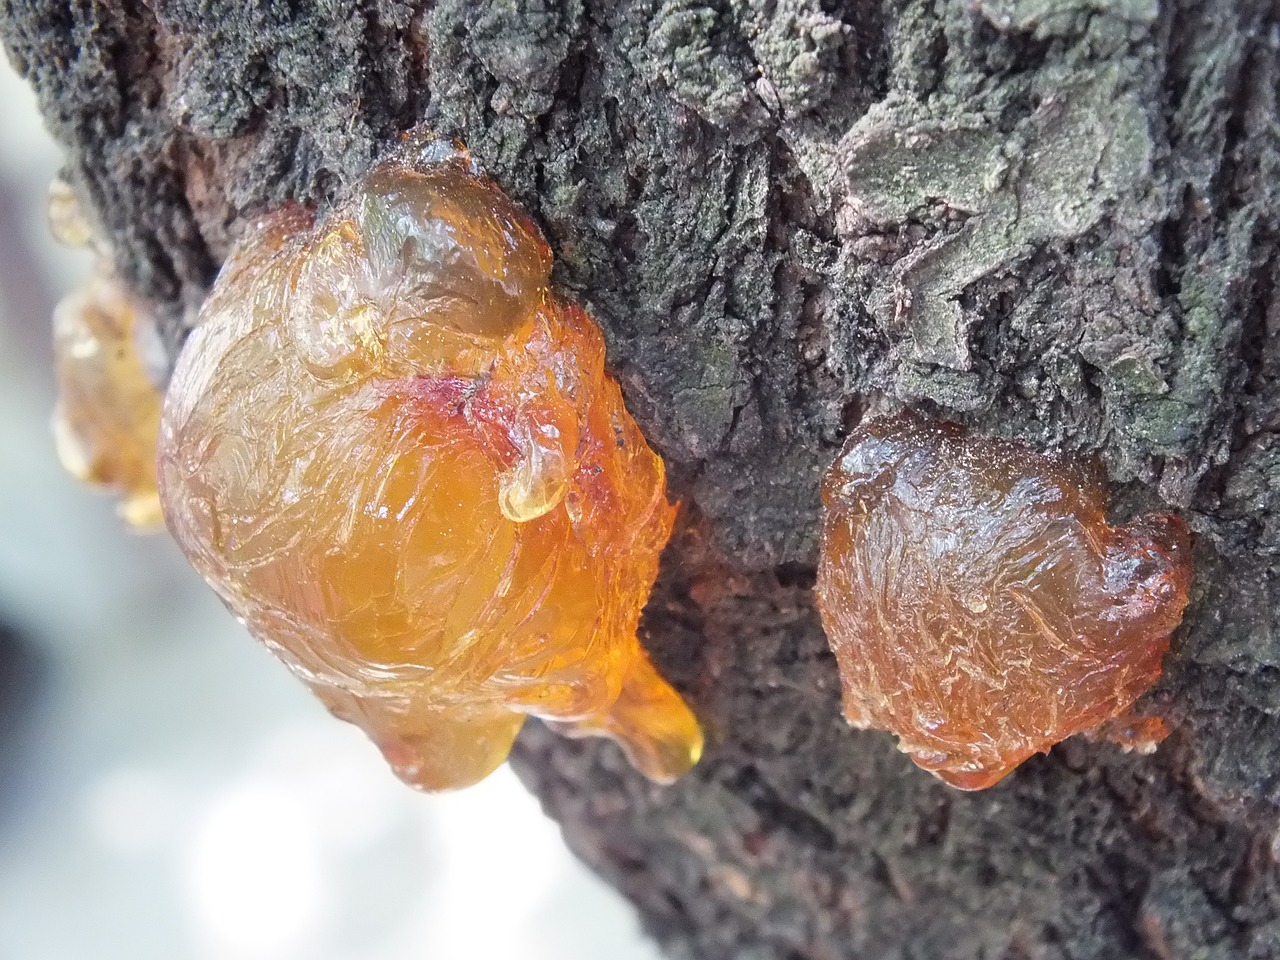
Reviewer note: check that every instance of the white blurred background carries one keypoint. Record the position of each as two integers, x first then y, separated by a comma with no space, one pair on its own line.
167,791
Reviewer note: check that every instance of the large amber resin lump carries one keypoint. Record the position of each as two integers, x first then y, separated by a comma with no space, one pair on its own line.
978,603
396,455
108,411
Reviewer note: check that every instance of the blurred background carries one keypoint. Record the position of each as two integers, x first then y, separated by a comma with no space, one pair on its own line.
167,790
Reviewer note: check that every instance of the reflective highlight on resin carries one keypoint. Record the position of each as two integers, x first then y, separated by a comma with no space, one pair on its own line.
395,453
978,603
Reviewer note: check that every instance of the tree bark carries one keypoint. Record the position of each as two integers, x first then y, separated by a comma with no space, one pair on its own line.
1053,220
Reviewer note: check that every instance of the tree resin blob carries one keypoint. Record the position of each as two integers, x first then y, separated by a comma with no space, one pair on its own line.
108,411
978,603
395,454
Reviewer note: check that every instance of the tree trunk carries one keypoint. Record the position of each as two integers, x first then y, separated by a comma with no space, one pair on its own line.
1053,220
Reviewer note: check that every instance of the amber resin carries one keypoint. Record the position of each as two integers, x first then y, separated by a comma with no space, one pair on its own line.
108,411
978,603
396,455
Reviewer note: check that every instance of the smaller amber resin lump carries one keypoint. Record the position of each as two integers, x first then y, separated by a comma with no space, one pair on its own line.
978,603
108,411
395,453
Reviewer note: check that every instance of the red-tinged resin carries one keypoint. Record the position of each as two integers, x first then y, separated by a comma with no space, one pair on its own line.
979,604
395,453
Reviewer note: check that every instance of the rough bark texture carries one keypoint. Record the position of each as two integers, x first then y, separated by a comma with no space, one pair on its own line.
1054,220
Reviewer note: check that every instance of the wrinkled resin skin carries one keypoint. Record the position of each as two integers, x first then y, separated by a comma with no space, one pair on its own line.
978,603
396,455
108,411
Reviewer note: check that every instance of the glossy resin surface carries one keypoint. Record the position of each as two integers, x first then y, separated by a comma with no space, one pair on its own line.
396,454
979,604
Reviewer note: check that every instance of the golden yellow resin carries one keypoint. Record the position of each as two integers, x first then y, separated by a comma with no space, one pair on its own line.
979,604
108,411
396,455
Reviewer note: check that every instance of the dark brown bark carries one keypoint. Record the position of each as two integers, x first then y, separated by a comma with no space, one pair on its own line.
1048,219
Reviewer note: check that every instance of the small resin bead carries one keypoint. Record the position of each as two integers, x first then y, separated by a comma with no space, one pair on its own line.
978,603
396,455
108,411
67,222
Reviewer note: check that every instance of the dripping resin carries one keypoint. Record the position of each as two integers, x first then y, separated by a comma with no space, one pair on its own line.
395,453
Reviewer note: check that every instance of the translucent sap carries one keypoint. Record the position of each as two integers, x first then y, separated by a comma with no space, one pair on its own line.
396,455
978,603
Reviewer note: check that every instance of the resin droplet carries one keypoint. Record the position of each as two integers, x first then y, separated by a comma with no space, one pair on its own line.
108,412
67,222
978,603
370,447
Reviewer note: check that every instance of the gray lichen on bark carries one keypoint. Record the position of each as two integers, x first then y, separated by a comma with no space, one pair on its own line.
1054,221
